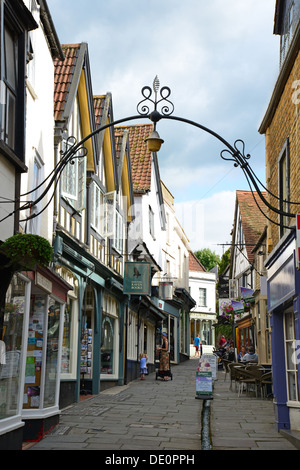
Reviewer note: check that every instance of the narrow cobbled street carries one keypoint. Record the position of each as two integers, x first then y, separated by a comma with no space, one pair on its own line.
154,415
148,415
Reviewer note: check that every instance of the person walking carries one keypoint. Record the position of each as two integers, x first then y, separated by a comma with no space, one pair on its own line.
197,346
143,365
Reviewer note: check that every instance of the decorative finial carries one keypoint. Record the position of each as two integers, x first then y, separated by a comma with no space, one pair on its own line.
156,84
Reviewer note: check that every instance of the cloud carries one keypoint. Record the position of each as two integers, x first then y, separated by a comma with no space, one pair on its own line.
208,222
220,60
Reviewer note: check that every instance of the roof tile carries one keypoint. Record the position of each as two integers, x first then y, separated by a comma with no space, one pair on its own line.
141,158
253,221
63,74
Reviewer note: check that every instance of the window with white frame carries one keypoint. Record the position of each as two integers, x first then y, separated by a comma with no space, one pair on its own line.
284,186
37,178
119,233
291,362
73,181
202,297
151,222
9,86
97,206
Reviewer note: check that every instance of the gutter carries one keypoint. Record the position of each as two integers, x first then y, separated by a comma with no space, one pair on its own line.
50,31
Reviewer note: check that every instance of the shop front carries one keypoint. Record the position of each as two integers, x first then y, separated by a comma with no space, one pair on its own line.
13,343
284,309
48,296
244,332
30,353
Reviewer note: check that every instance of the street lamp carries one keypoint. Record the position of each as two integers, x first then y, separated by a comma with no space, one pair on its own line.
154,142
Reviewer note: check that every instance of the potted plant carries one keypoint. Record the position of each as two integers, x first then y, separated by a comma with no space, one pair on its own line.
21,252
25,251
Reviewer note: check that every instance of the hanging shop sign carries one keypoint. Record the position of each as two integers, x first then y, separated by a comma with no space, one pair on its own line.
247,295
238,307
298,241
137,278
166,290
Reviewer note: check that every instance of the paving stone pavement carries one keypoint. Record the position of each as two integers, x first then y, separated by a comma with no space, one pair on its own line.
143,415
244,422
154,415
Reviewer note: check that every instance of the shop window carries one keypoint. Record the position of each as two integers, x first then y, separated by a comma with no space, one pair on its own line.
52,353
291,363
109,334
284,186
107,346
66,361
11,344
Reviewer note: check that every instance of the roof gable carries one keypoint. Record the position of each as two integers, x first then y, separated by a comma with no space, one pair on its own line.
195,264
124,168
106,138
72,78
252,219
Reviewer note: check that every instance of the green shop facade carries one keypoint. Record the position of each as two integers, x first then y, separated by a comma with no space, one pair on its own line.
93,338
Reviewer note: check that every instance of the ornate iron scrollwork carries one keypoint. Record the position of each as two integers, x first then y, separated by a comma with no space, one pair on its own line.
237,155
166,108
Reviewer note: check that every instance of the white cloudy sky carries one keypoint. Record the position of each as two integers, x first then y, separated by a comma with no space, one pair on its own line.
220,60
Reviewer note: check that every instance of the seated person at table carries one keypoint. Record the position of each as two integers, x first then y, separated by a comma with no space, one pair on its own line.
250,356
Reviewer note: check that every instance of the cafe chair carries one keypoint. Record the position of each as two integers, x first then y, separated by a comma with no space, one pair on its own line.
234,373
247,377
226,367
265,380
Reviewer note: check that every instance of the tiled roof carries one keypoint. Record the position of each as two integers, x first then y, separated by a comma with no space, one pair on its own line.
98,105
63,74
253,221
141,158
195,264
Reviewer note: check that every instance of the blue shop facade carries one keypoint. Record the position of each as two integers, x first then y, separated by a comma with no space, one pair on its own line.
284,309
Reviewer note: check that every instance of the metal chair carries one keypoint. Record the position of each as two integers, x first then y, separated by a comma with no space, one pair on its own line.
247,377
234,373
226,367
265,380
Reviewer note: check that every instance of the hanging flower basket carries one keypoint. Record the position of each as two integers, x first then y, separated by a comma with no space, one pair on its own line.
25,251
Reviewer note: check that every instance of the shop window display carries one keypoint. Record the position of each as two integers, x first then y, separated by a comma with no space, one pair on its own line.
11,337
52,353
66,362
107,346
44,326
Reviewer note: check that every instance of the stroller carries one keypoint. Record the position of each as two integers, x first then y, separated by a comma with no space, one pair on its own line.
161,373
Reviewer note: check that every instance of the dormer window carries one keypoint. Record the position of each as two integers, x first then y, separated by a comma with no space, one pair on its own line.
287,33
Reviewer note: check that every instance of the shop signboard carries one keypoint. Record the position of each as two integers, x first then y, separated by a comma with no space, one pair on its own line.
166,290
211,359
298,241
137,278
204,385
247,295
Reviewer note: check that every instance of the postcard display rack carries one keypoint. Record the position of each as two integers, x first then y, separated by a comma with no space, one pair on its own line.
86,358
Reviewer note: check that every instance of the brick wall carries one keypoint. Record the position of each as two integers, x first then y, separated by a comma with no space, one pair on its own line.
285,124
